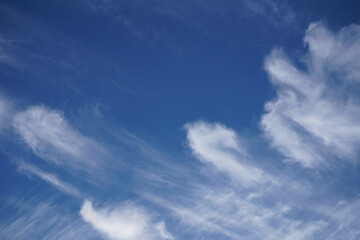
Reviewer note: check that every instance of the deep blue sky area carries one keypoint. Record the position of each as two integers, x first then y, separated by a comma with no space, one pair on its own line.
167,119
207,63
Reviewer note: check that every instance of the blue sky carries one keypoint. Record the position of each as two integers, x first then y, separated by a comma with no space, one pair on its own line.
164,120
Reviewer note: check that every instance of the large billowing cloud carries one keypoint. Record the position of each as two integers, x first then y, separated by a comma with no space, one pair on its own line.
127,222
315,115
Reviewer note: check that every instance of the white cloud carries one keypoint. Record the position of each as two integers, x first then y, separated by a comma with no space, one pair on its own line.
221,147
239,214
31,170
44,220
316,111
52,138
126,222
345,218
237,210
161,227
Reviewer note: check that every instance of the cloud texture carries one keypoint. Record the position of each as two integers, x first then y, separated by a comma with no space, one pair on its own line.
314,116
126,222
223,191
52,138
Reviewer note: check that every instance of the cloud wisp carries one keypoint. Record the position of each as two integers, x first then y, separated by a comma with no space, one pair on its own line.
52,138
44,219
314,117
31,170
125,222
221,147
312,121
236,210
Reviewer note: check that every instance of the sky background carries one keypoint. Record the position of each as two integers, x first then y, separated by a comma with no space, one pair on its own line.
164,119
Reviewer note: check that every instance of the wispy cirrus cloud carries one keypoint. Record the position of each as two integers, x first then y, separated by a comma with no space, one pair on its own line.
125,222
312,120
234,210
31,170
140,18
221,147
278,13
45,219
250,215
52,138
343,220
314,117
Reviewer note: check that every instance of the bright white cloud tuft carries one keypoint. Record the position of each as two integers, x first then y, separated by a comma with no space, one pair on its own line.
52,138
220,146
316,112
127,222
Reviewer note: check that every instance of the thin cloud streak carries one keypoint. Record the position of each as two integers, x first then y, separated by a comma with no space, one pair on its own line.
45,219
31,170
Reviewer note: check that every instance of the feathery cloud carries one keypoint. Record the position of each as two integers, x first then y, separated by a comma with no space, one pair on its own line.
52,138
126,222
31,170
234,210
43,219
221,147
315,114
